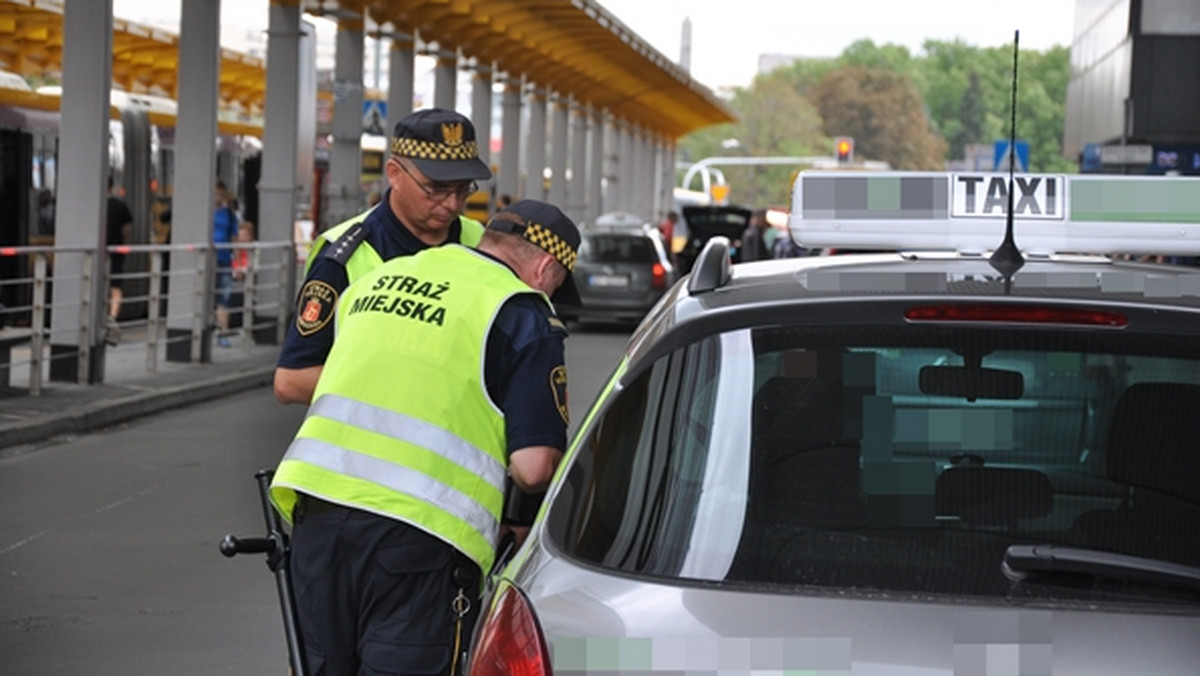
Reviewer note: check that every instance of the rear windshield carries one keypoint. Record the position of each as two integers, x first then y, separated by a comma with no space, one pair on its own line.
895,460
616,249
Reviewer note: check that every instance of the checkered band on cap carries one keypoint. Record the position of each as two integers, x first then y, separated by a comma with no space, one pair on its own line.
551,243
428,150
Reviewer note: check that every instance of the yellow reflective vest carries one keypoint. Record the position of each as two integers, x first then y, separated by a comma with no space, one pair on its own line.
401,423
363,257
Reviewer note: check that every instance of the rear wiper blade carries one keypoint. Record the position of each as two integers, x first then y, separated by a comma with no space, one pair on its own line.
1023,561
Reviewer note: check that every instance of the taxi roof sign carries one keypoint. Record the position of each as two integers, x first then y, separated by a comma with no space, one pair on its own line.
1053,213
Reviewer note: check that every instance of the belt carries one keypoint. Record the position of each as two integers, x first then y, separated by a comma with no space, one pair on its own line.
307,505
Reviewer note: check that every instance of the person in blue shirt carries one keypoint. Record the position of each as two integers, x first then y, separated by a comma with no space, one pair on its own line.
225,225
431,171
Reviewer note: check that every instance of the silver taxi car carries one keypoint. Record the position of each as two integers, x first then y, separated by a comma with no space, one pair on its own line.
975,454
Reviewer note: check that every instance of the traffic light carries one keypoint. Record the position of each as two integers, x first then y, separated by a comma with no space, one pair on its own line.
843,147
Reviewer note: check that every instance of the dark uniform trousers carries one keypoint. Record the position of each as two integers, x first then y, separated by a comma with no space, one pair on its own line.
377,596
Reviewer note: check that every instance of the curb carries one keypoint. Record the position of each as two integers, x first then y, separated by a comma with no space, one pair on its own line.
100,414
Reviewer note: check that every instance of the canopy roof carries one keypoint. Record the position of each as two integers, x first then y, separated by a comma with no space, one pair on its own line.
573,47
145,59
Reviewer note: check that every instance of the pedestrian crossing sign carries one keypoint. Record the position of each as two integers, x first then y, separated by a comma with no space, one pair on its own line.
374,118
1004,150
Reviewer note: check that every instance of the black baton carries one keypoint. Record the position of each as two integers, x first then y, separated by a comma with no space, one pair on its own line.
275,545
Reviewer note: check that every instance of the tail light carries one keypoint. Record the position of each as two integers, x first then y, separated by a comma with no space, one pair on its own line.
510,641
659,276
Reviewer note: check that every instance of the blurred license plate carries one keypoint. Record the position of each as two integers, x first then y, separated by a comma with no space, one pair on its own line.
608,281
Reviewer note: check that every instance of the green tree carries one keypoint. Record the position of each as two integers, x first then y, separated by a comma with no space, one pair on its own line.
913,111
776,121
884,112
978,110
968,128
867,54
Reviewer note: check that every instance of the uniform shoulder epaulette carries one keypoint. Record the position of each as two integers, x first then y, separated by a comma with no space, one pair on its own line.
343,247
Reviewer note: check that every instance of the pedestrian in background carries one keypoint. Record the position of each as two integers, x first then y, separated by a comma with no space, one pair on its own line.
243,259
447,375
667,227
754,246
225,224
786,247
242,256
432,170
118,232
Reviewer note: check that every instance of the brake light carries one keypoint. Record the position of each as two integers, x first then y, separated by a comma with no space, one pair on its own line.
511,641
659,276
1015,314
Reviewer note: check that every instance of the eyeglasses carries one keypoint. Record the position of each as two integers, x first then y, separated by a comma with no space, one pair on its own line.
441,191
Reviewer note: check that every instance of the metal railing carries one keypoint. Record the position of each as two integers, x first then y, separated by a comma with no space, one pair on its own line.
148,308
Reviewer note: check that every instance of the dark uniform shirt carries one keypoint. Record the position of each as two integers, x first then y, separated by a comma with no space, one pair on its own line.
525,373
390,238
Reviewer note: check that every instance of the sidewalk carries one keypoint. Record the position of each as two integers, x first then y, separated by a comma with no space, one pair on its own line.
129,389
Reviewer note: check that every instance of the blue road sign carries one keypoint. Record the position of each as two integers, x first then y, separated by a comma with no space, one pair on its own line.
375,117
1002,151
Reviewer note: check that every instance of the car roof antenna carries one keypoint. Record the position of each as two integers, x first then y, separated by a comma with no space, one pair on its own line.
1007,259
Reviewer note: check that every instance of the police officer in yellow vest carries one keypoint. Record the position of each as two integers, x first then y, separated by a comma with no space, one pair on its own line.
446,380
431,171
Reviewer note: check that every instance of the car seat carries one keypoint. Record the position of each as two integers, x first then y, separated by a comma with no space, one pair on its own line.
1153,454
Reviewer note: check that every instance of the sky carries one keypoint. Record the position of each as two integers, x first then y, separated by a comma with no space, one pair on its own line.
729,35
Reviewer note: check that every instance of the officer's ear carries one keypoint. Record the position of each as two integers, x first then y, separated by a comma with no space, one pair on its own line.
547,273
392,170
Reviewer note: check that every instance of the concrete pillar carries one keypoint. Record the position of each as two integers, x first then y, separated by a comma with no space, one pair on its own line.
401,78
667,168
445,79
481,109
535,146
647,174
343,190
289,133
190,297
595,172
625,167
576,204
637,171
82,182
508,182
557,194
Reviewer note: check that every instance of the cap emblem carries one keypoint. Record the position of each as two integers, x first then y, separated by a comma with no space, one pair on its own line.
452,134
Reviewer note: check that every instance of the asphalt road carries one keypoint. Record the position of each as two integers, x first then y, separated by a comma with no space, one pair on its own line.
108,541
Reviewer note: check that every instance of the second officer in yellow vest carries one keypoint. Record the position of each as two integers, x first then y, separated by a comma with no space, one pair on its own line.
447,375
431,171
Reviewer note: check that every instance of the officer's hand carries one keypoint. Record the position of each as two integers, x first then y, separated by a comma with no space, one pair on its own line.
519,533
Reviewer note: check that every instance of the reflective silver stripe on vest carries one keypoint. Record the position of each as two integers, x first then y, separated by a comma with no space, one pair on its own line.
397,478
413,430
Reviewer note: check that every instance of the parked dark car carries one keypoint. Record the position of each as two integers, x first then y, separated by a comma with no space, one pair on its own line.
622,270
704,223
955,459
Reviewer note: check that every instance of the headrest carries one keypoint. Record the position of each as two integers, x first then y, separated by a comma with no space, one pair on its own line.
1154,439
798,408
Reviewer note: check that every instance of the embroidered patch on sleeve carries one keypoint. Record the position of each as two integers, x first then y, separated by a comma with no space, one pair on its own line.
558,385
317,302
